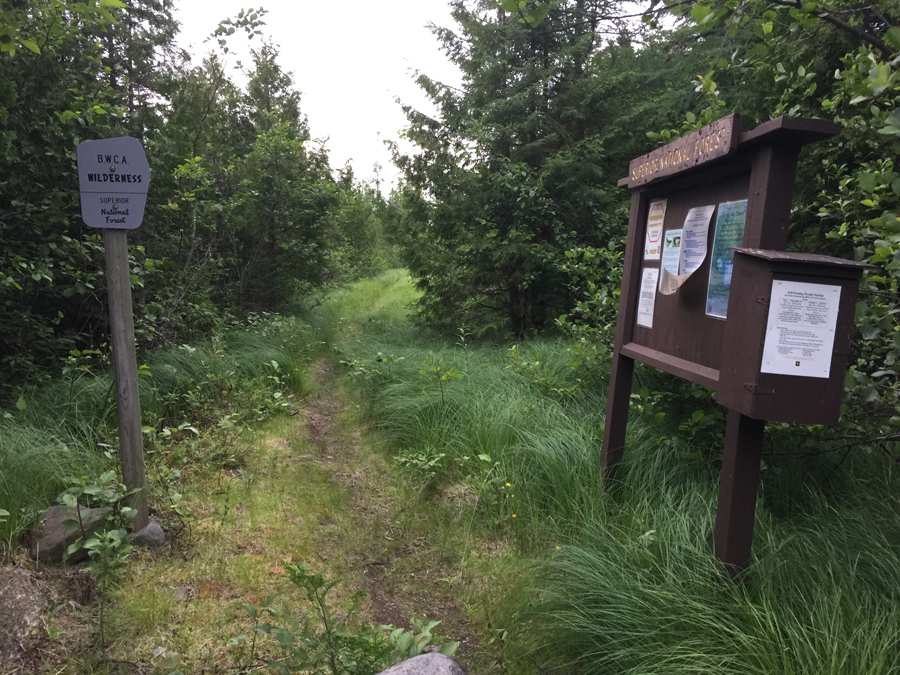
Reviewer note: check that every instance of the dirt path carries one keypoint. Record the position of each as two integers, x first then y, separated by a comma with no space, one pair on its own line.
311,488
404,576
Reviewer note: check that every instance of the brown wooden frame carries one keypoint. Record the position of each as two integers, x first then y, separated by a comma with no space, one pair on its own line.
758,166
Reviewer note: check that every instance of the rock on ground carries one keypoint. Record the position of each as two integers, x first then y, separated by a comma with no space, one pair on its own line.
51,539
151,536
427,664
20,606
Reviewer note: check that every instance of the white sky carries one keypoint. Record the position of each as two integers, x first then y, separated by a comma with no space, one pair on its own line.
350,60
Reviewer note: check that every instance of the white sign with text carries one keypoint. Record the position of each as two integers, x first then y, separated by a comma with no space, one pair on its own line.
800,330
113,176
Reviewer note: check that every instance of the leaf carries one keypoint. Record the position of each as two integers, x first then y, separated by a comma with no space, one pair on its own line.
892,37
21,404
879,75
869,394
849,381
894,118
700,12
867,182
869,331
28,44
166,661
449,648
113,3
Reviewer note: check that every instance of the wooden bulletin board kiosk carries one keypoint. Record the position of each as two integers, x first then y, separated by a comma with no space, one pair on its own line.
709,294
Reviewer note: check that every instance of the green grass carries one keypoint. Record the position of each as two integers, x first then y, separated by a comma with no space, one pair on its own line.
67,428
373,305
639,591
624,580
34,465
573,577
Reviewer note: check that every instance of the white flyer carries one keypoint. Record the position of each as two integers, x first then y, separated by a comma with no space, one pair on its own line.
671,256
800,330
647,301
656,215
693,239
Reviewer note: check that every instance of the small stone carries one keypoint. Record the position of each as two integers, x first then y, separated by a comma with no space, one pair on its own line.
52,538
152,536
427,664
20,606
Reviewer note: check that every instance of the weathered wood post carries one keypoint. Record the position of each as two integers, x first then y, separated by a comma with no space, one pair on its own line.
114,176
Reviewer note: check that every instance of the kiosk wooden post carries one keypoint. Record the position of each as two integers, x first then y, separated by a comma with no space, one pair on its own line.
736,511
711,167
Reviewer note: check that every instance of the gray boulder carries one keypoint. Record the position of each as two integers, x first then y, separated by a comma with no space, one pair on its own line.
20,606
427,664
151,536
52,538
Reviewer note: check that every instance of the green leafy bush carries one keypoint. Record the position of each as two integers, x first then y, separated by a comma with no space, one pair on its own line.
335,643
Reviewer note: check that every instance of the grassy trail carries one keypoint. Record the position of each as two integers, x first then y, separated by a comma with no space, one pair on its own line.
313,488
454,480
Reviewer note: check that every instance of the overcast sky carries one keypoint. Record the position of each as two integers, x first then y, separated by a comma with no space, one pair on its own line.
350,60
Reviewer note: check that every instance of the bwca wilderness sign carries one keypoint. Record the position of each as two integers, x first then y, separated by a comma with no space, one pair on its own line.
113,177
711,142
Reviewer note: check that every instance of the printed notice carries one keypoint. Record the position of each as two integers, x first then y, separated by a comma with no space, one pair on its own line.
729,233
800,329
692,250
671,254
656,214
647,302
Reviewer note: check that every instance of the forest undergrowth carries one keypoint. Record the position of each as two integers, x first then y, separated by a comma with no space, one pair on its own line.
357,467
292,540
624,580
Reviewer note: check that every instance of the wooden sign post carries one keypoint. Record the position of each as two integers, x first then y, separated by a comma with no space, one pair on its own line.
708,294
114,176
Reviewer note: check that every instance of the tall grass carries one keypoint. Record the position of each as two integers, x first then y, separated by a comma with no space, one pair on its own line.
34,465
639,591
377,305
68,426
627,578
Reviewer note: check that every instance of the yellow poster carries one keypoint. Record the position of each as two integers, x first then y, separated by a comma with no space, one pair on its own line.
653,241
